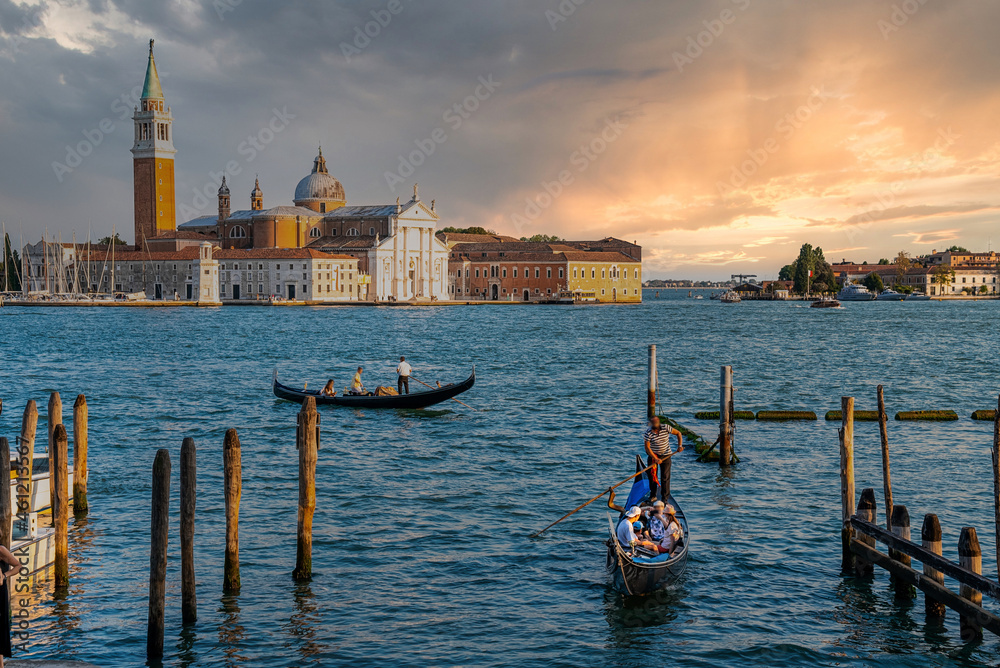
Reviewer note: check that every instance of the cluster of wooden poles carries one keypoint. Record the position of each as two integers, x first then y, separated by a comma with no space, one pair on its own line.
860,533
307,440
58,476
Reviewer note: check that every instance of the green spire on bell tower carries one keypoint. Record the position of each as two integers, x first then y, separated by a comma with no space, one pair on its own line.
151,88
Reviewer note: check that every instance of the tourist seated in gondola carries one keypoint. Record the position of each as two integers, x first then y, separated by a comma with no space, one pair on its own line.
627,535
664,529
357,387
328,390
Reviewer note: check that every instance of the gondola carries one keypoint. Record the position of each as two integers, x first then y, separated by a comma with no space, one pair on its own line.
634,573
414,400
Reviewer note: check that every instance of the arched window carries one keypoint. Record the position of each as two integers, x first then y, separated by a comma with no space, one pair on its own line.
353,232
314,232
371,231
238,233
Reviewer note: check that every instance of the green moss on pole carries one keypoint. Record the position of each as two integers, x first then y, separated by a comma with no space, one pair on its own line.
714,415
786,415
927,416
990,415
859,416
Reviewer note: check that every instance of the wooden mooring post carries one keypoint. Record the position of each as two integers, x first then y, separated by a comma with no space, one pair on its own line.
6,512
189,597
80,504
232,465
899,525
883,428
306,443
930,535
970,557
58,455
53,419
651,392
867,511
159,530
726,417
25,458
996,479
847,480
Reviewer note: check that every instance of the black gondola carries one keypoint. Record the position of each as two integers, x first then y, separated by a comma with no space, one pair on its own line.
415,400
635,573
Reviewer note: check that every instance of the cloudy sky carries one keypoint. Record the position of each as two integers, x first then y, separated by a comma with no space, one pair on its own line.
719,134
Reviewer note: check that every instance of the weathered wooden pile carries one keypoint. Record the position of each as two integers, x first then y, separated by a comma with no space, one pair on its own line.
860,535
307,439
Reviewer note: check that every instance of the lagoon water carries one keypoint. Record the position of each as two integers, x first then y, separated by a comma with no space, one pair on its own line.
421,552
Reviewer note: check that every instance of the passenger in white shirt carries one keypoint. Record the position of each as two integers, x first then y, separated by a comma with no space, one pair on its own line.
403,371
626,534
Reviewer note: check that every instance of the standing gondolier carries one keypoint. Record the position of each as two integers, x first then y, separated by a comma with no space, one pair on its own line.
403,372
657,443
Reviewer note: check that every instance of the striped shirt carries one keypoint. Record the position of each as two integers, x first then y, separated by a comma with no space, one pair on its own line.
659,443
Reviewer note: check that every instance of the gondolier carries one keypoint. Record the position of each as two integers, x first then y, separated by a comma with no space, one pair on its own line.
403,372
657,444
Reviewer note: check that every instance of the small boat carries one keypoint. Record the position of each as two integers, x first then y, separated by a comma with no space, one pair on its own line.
917,297
415,400
825,302
730,297
633,572
890,295
853,292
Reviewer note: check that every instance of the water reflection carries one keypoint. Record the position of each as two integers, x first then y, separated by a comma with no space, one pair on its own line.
302,625
185,646
231,631
628,616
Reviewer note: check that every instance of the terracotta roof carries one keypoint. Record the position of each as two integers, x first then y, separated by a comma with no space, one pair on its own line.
359,242
461,237
370,211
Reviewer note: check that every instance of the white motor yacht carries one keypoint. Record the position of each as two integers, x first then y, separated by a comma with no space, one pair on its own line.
853,292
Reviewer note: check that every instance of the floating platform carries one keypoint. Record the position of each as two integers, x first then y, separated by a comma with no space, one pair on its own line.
859,416
927,416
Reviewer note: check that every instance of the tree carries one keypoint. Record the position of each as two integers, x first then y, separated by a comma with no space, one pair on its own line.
983,290
107,241
874,283
903,265
957,249
883,260
10,278
943,275
820,287
541,238
466,230
803,265
787,272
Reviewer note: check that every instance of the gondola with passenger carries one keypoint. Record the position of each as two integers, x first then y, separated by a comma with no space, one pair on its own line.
415,400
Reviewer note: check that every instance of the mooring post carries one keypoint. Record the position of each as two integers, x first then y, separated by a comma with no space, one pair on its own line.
847,480
25,457
867,512
996,478
970,557
883,428
899,525
930,534
159,529
80,504
58,454
189,598
651,394
5,507
232,464
306,445
54,418
726,417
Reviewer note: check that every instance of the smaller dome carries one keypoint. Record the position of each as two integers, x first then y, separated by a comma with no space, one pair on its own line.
256,192
223,189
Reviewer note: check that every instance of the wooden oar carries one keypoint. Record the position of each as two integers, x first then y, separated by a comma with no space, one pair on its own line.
579,508
435,388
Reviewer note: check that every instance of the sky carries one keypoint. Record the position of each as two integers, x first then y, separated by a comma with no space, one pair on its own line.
720,135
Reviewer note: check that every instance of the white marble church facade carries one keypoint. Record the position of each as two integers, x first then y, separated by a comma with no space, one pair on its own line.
412,263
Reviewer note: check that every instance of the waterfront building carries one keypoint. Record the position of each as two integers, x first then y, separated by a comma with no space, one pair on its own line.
973,277
609,270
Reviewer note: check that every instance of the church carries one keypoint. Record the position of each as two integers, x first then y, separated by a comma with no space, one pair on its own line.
399,258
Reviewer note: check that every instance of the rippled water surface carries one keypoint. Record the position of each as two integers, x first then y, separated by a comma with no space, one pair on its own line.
421,551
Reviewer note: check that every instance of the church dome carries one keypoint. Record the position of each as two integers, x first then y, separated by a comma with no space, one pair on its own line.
319,188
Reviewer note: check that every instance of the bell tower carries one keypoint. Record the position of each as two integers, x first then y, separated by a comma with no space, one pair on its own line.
153,161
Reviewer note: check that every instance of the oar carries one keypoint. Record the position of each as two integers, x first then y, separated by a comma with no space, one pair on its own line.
434,388
579,508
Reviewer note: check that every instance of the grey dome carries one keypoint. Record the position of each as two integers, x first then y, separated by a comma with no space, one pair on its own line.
319,185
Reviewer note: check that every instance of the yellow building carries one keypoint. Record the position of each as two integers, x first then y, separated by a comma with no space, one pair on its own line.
611,277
